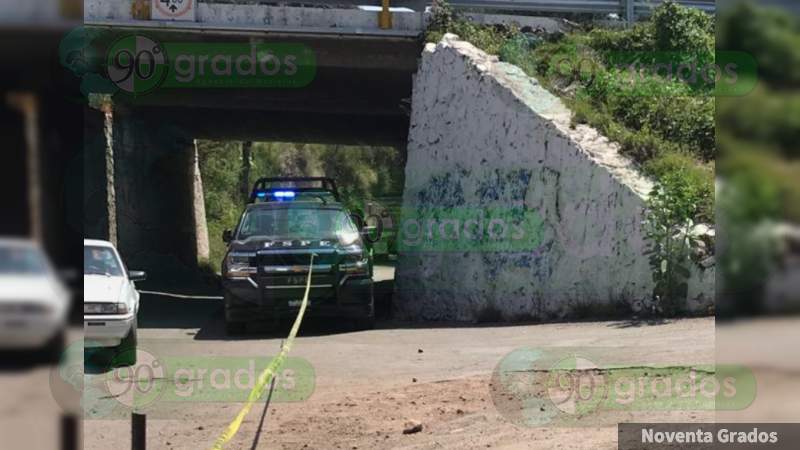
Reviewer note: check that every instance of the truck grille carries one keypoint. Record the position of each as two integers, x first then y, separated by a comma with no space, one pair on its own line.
282,275
298,281
291,259
295,258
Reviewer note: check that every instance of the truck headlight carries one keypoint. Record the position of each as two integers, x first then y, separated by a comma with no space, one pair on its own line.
355,266
238,265
348,237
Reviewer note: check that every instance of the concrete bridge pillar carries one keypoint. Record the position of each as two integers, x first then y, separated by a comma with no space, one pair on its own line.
155,178
99,213
13,208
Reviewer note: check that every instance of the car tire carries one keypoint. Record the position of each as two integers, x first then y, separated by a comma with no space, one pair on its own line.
235,328
125,354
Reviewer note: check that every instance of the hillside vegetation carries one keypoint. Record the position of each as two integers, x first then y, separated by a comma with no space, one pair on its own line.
759,152
663,123
362,173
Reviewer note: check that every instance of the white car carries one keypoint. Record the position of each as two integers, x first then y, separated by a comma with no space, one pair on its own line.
33,300
110,301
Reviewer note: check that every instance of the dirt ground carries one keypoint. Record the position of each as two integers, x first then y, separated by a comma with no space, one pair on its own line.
30,416
769,347
369,384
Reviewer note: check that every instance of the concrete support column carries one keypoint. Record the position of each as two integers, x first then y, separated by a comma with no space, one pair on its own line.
247,163
156,183
199,210
108,160
99,197
27,103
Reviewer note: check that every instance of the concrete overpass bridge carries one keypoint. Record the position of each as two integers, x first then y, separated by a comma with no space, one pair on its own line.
139,161
362,70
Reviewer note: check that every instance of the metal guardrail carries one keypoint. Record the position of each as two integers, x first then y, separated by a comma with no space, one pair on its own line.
118,13
641,8
628,9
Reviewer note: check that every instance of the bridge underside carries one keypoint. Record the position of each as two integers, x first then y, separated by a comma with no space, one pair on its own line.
139,161
355,75
280,126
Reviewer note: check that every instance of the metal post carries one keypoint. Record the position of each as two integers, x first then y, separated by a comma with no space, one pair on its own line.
630,12
138,431
69,432
140,9
384,17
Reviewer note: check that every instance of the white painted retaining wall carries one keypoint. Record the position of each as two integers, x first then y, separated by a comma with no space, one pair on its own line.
484,136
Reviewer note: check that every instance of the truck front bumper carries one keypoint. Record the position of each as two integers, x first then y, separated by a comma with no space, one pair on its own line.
246,303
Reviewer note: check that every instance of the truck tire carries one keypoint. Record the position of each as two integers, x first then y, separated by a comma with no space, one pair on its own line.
235,328
365,323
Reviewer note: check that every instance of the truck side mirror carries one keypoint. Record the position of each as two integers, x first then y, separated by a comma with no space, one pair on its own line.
227,236
358,221
372,229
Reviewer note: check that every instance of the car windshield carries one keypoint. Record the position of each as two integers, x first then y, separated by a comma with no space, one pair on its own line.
20,260
101,261
296,223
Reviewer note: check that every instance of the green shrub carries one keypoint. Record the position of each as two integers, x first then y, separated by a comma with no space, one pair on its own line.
777,121
442,15
670,210
658,157
768,34
700,177
566,61
487,38
638,38
517,51
768,184
677,28
674,34
668,110
220,164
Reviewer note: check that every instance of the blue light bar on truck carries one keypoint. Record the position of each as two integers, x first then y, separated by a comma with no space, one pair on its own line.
283,194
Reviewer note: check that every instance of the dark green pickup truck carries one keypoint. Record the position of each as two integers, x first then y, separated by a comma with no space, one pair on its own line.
269,253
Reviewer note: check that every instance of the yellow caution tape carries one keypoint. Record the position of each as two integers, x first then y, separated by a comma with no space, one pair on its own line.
267,374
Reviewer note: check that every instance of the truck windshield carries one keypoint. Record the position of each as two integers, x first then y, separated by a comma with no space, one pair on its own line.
296,223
